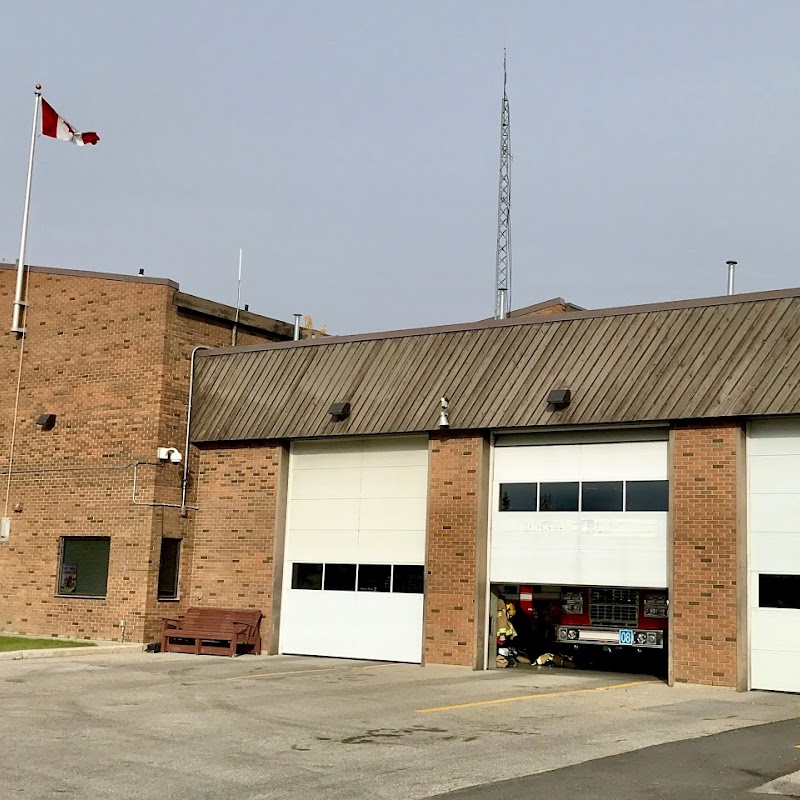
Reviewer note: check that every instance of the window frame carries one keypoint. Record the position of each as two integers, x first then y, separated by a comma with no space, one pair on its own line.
540,493
294,575
173,598
767,593
342,565
536,493
614,483
664,481
62,546
421,568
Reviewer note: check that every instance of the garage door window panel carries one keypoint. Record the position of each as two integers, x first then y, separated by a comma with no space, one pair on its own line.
307,576
647,496
83,569
601,496
374,577
518,496
408,579
340,577
560,496
779,591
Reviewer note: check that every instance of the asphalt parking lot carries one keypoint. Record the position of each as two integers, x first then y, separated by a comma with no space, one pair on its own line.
172,726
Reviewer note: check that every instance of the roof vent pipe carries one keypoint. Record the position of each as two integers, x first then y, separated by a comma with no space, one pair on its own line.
297,327
502,300
731,270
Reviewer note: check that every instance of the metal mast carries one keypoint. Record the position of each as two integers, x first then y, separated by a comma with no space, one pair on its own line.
502,305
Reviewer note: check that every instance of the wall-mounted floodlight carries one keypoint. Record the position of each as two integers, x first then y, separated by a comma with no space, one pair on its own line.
559,398
444,422
339,411
46,421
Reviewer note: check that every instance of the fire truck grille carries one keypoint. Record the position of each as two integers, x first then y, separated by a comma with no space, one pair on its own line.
614,607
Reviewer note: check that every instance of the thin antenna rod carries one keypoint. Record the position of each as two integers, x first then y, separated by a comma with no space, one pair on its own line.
238,300
502,307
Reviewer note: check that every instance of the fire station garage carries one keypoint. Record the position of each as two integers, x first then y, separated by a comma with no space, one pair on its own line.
629,475
355,549
579,535
774,554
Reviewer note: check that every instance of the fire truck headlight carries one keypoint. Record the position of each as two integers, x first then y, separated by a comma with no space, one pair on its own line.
572,634
640,637
562,633
651,638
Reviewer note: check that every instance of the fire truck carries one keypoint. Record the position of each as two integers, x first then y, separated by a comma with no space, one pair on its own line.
611,617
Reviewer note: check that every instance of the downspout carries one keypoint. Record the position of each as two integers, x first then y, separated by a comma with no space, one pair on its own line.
185,478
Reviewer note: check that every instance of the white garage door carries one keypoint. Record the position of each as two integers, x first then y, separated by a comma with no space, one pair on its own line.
774,554
355,549
588,513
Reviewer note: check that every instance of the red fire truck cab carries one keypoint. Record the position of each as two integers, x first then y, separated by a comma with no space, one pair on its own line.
612,617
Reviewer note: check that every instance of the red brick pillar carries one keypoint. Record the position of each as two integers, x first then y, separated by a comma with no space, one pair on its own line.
455,593
707,492
238,530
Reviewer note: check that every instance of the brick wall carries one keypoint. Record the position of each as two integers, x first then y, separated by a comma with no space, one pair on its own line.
110,358
237,526
705,524
456,546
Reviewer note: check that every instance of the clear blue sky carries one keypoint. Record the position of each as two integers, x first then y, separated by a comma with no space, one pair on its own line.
351,149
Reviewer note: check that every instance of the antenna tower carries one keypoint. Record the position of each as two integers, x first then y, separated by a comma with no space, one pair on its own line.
502,305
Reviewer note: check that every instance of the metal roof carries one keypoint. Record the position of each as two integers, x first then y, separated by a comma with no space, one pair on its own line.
715,357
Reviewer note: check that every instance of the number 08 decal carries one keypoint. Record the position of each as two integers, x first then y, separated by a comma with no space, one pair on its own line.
625,636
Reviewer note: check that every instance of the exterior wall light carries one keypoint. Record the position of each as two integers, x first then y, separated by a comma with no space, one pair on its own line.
339,411
46,421
559,398
444,422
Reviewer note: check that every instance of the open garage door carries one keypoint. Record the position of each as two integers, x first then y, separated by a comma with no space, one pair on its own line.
355,549
579,538
774,554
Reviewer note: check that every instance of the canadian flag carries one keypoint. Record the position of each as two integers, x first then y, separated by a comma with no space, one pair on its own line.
59,128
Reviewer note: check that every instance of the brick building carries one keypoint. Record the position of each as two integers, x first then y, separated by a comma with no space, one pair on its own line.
95,517
630,475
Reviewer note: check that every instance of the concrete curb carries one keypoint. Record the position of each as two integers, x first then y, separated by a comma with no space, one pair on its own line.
63,652
787,786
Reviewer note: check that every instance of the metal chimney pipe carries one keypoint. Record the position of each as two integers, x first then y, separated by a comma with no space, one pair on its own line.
297,327
731,270
503,303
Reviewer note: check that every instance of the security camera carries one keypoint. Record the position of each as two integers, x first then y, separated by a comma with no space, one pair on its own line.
171,454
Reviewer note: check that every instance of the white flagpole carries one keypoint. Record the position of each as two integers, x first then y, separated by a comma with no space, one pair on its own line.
19,303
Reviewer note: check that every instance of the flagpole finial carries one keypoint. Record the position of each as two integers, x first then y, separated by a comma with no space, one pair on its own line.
38,88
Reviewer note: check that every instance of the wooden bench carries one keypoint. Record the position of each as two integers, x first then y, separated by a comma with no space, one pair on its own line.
212,631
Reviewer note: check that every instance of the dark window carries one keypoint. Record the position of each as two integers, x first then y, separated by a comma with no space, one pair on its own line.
558,496
601,496
340,577
779,591
306,576
374,577
647,496
84,566
409,579
517,497
168,569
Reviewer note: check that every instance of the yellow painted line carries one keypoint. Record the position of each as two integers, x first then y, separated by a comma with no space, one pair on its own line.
381,666
279,674
532,697
797,747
